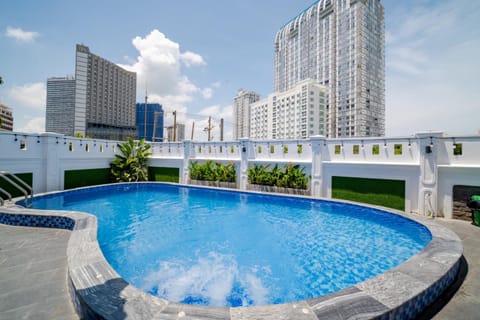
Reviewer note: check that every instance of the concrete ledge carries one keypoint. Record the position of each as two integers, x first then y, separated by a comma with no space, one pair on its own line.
401,293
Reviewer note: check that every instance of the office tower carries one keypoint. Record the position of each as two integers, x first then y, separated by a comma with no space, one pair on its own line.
179,133
150,121
339,43
241,113
6,118
60,110
297,113
105,96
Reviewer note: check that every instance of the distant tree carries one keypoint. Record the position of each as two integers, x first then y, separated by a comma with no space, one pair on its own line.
78,135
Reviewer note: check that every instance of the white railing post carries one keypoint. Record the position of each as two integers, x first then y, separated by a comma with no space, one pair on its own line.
428,187
50,143
244,156
317,166
187,148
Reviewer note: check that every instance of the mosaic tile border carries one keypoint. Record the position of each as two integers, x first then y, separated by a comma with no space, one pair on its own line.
28,220
99,292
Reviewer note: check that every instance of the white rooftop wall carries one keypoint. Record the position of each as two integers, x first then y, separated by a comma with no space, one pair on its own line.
429,163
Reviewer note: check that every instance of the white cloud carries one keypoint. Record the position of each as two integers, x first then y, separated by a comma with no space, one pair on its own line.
218,112
34,125
190,58
158,68
207,93
21,35
217,84
431,53
31,95
171,103
210,111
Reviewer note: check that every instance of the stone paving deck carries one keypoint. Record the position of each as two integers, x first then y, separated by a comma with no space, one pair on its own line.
465,304
33,274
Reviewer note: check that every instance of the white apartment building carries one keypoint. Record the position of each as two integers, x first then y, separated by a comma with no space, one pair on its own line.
297,113
339,43
241,113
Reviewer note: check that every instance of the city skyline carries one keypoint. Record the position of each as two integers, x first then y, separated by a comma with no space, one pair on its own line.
198,67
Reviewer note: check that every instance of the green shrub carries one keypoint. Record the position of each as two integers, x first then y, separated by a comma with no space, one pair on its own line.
291,176
213,171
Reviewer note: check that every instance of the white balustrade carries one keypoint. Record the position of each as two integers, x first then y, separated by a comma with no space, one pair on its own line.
429,163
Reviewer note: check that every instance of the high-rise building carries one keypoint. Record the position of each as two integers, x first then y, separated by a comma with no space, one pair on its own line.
105,98
241,113
179,133
6,118
297,113
60,110
339,43
150,121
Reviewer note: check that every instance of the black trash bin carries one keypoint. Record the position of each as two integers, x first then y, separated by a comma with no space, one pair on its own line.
474,204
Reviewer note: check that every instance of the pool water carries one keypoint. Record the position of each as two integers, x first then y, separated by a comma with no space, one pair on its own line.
220,248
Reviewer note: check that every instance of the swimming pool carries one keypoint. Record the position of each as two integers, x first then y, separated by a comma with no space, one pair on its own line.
221,248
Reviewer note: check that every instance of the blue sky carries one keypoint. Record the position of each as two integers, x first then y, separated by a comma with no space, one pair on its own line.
195,55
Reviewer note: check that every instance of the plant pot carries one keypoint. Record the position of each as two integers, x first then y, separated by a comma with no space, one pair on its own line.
274,189
217,184
476,217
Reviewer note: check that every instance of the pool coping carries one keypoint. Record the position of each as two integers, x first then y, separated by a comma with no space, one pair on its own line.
98,291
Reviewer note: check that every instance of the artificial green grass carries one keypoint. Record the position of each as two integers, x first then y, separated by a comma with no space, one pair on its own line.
86,177
387,193
5,185
164,174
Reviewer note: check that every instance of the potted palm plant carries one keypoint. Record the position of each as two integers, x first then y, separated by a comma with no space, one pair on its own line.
131,164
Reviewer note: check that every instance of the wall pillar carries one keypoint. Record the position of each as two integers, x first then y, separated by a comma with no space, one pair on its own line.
51,163
316,183
187,149
428,183
244,156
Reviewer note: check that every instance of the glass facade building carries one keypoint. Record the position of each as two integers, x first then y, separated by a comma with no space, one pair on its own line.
150,121
341,44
